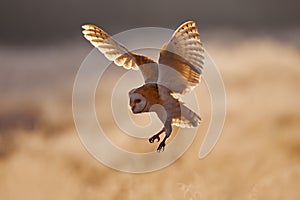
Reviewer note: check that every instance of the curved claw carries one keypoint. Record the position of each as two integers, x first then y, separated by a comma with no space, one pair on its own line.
153,138
161,147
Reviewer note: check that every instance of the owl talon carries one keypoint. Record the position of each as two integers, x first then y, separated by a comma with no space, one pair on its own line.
161,147
153,138
156,136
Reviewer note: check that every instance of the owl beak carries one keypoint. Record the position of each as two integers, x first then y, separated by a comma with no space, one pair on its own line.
132,109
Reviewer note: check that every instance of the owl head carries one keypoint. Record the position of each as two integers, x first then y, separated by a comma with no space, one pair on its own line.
137,101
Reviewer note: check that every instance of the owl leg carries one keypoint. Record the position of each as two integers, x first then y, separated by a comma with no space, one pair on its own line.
168,130
156,136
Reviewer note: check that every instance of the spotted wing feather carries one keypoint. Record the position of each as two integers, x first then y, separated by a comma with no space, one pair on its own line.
119,54
183,57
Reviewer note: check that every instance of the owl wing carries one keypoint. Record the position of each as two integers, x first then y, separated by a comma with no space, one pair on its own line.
181,60
119,54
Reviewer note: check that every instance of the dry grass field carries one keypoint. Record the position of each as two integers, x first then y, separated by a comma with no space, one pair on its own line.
256,158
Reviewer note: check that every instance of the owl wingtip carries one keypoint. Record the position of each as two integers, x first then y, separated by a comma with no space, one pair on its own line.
88,26
84,26
190,22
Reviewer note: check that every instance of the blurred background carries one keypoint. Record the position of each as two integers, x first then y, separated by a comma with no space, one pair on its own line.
256,46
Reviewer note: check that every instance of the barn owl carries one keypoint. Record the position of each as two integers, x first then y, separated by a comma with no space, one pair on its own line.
177,71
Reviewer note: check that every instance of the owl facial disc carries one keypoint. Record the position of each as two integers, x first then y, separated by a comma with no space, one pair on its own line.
137,102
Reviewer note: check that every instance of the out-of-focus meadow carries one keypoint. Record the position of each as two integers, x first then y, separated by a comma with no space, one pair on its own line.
257,156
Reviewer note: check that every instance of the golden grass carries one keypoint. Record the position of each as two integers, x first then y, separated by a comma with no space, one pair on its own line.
257,156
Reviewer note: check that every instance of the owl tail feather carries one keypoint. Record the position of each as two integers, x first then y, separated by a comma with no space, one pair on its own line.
188,118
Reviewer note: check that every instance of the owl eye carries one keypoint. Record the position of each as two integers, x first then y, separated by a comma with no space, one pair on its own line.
137,100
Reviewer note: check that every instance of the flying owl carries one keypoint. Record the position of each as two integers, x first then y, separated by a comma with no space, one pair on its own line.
177,71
